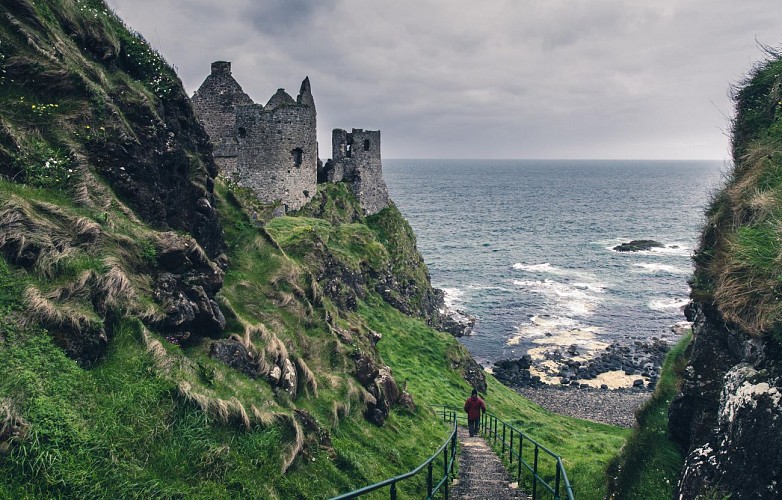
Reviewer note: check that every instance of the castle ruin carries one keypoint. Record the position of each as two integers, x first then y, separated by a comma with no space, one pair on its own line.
273,149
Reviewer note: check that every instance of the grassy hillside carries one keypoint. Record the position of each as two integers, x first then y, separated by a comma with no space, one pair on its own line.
650,462
153,418
115,240
738,265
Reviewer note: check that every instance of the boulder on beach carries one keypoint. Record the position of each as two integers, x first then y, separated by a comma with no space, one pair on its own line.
638,245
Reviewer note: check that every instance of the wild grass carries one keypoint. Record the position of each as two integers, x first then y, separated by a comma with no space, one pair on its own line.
739,262
650,463
419,357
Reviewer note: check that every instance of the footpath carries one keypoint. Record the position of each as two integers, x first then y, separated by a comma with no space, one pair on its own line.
481,474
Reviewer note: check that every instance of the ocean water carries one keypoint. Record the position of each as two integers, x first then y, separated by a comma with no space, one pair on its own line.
526,246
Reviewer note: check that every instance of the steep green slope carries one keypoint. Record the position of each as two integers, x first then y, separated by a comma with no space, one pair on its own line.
160,338
727,413
737,265
650,462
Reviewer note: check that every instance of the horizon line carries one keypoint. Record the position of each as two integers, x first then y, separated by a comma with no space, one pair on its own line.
562,159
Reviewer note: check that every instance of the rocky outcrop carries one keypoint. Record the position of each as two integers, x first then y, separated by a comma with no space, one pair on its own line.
515,373
638,246
380,384
727,416
185,286
236,355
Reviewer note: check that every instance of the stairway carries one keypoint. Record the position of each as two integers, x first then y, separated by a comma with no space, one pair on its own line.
481,474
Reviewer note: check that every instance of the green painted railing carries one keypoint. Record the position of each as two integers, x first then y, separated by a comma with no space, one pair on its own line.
505,438
448,451
502,434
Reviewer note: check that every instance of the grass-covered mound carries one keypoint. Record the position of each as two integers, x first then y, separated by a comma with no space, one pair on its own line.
156,419
738,265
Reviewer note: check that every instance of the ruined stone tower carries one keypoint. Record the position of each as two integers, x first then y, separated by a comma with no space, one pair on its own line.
356,159
215,103
270,149
273,149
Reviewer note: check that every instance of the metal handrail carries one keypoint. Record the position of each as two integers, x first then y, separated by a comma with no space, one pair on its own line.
449,458
490,428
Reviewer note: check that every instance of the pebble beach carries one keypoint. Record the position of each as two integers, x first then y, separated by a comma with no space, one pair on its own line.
614,407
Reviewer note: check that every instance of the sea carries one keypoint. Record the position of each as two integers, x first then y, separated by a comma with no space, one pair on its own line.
526,246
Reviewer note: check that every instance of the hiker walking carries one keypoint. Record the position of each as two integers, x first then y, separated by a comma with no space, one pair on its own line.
474,406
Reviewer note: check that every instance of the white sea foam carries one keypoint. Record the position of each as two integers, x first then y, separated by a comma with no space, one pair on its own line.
552,330
533,267
453,297
649,267
667,304
579,299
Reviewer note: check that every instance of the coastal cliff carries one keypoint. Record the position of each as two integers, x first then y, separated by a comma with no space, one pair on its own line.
727,416
162,333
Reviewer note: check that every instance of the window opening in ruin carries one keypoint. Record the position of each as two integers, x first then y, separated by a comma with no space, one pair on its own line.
347,150
297,155
366,144
242,132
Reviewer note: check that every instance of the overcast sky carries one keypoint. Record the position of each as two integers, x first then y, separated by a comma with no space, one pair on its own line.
608,79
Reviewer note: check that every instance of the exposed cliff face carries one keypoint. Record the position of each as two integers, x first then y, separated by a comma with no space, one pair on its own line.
728,416
92,113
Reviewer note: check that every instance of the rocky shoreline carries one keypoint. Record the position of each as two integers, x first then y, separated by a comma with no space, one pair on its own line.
608,387
638,363
613,407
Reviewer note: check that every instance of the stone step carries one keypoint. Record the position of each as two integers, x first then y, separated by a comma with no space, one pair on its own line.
481,474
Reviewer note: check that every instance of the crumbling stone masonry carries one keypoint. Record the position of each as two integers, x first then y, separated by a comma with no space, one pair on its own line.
273,149
215,104
356,159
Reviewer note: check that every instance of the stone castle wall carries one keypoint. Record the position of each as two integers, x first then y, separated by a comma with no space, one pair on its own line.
356,159
215,103
273,149
278,150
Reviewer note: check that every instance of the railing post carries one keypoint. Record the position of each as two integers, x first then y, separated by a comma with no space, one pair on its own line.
453,452
393,491
445,470
503,440
429,481
521,458
535,475
556,481
510,447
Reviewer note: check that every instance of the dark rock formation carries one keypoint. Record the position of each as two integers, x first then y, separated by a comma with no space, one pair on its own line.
316,437
343,285
236,355
638,358
728,415
515,373
472,372
380,384
185,286
163,167
638,245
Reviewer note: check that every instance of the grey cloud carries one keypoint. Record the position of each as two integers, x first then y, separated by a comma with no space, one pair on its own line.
286,18
560,78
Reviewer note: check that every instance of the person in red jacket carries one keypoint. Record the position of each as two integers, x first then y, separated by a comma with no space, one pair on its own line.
474,406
